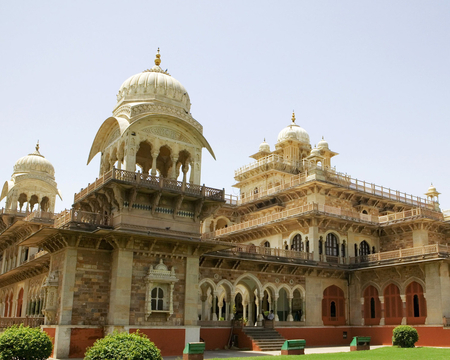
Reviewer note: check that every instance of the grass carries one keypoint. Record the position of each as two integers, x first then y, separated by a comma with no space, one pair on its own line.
385,353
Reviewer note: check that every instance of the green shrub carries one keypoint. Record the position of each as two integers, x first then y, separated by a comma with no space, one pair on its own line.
405,336
123,346
25,343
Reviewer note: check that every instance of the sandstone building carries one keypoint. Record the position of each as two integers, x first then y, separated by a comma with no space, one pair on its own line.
146,246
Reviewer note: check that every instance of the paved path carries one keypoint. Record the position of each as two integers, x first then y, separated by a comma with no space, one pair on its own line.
248,353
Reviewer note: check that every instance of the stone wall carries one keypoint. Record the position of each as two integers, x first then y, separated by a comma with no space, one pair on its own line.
141,265
397,241
92,288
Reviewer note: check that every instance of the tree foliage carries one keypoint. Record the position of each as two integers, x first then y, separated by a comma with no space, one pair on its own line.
123,346
25,343
405,336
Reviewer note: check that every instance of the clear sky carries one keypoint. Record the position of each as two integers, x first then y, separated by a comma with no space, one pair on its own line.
372,77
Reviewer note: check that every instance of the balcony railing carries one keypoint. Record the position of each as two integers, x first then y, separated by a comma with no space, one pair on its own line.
267,251
334,177
401,254
27,321
152,182
79,216
325,209
269,161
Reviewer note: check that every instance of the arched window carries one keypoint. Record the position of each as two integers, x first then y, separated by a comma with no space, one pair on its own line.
307,246
320,246
331,245
416,308
255,190
393,305
372,306
364,248
356,250
296,243
364,212
333,306
19,304
6,306
157,298
266,244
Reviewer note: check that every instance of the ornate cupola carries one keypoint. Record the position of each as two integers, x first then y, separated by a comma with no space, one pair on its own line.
152,130
32,185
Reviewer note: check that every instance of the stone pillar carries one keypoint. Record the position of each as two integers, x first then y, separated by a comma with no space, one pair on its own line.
214,305
275,307
290,317
314,297
313,236
403,297
191,176
220,309
438,289
260,309
420,237
184,169
154,157
382,320
203,299
232,304
244,312
362,311
173,171
227,310
191,291
303,310
120,293
67,286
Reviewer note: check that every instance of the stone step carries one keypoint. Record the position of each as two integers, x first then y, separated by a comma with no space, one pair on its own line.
265,339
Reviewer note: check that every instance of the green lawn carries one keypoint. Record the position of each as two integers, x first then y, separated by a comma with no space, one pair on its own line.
388,353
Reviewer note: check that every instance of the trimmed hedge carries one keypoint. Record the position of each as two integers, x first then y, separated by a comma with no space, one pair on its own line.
25,343
405,336
123,346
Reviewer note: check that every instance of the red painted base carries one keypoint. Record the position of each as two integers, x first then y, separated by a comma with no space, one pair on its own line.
293,352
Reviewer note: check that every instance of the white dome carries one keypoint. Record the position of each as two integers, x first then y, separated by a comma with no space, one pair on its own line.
322,144
293,132
264,147
34,162
154,84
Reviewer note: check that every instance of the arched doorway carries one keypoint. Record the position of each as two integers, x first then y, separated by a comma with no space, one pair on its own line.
19,304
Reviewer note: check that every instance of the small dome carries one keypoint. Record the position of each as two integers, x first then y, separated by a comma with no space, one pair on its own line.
432,188
323,144
293,132
154,84
34,162
264,147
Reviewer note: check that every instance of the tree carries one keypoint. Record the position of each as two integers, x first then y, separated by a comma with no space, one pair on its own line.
123,346
25,343
405,336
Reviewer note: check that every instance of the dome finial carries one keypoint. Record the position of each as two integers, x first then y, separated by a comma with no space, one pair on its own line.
158,59
293,116
37,146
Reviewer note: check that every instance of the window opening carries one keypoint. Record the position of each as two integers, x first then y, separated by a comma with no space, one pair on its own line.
157,298
333,309
331,245
416,306
372,308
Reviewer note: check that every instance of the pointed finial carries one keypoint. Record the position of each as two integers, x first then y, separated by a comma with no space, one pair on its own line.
293,117
322,137
37,146
264,139
158,59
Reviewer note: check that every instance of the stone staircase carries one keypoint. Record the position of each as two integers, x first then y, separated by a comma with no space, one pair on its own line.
264,339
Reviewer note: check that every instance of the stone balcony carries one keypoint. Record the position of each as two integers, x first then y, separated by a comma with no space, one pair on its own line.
152,182
323,173
324,210
400,256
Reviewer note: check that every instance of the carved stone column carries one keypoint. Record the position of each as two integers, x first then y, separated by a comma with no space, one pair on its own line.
244,311
51,299
232,305
214,305
203,299
403,297
173,171
154,157
290,317
362,311
382,320
275,307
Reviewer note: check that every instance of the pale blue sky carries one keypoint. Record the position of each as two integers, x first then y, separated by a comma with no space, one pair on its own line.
372,77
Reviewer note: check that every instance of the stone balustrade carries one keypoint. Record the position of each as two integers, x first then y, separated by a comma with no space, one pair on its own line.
152,182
